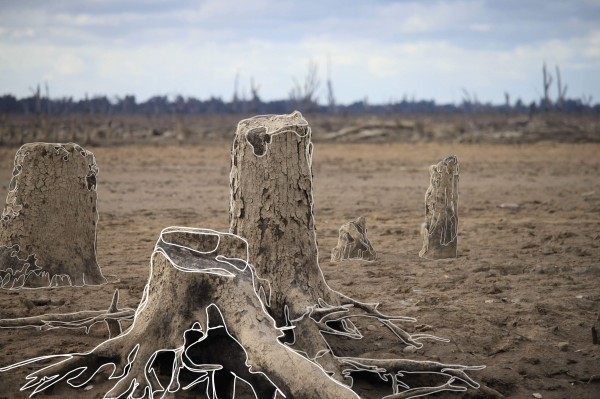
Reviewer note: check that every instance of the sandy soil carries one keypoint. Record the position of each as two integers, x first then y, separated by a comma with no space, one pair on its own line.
526,280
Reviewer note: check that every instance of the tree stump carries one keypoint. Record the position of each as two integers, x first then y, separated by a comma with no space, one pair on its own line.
200,325
440,230
48,226
353,242
272,208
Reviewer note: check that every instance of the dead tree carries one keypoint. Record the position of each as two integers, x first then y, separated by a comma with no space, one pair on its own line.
272,208
440,230
353,242
587,100
547,82
562,90
48,226
255,98
507,101
236,98
304,94
330,95
200,325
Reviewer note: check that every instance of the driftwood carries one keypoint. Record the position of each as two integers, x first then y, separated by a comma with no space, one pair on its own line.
440,230
353,242
48,226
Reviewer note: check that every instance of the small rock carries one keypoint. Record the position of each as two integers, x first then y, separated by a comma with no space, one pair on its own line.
563,346
537,395
508,205
371,327
409,349
423,327
27,303
41,301
489,301
541,323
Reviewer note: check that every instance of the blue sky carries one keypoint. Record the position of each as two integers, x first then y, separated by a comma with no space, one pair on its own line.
382,50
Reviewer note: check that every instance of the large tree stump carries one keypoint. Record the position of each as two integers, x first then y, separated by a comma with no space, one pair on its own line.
272,208
48,226
440,230
200,325
353,242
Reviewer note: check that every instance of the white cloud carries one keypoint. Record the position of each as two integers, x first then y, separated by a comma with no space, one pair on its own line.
26,33
383,50
480,27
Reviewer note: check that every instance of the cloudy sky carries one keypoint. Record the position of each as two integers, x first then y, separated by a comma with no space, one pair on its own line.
380,49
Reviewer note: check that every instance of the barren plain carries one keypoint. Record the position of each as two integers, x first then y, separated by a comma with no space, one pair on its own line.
521,297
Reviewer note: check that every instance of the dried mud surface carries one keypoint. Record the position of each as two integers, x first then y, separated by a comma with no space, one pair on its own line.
520,298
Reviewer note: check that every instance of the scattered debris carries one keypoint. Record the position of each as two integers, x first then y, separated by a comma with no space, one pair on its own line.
353,242
509,205
563,346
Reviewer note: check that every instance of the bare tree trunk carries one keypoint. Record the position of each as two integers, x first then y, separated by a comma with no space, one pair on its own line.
48,227
272,207
562,90
440,230
547,81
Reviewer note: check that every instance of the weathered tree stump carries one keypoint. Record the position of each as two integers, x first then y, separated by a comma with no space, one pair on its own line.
200,325
272,208
48,226
353,242
440,230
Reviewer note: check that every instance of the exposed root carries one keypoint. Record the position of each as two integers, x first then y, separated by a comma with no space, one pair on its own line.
401,366
85,319
416,392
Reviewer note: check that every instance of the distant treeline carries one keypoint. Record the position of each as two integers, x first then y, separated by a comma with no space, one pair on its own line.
37,104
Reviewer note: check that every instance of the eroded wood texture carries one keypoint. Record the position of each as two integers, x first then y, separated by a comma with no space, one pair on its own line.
48,226
272,207
353,242
440,230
